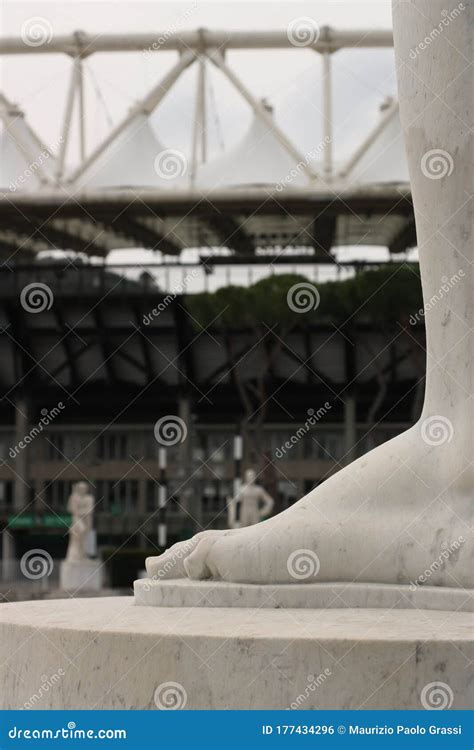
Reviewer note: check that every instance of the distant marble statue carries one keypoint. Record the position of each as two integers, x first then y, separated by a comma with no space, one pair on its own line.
81,507
389,516
251,505
77,571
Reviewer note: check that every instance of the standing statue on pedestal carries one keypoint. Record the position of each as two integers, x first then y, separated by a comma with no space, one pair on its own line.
251,505
81,507
78,572
390,516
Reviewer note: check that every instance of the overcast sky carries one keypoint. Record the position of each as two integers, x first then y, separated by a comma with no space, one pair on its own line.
290,80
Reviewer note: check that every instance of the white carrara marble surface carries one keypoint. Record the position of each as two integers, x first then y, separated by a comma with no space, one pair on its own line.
186,593
111,653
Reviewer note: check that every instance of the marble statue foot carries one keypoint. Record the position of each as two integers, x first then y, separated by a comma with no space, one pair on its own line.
399,514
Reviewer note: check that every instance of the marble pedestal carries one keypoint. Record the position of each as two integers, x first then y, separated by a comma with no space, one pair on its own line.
186,593
81,575
113,653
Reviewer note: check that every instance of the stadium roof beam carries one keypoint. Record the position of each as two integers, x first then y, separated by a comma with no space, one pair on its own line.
59,238
231,234
136,230
405,238
218,59
105,345
323,232
147,105
391,110
65,333
80,42
144,344
10,115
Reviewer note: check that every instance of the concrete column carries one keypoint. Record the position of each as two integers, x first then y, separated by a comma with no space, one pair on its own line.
8,556
20,486
350,429
189,496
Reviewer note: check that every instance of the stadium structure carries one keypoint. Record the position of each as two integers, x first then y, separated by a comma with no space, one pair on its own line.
94,355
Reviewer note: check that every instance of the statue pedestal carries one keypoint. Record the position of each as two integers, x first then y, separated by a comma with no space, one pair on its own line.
115,654
186,593
80,575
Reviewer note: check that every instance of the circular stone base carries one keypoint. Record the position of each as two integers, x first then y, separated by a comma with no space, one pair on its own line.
186,593
111,653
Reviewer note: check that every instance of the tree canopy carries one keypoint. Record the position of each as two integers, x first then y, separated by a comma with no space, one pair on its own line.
383,296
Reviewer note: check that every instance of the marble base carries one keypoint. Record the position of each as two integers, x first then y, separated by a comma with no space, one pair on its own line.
83,575
186,593
112,654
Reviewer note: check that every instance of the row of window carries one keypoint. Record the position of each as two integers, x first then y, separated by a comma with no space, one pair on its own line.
213,447
121,496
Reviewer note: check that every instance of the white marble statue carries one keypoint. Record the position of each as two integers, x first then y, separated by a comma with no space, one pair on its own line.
81,507
251,505
387,516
